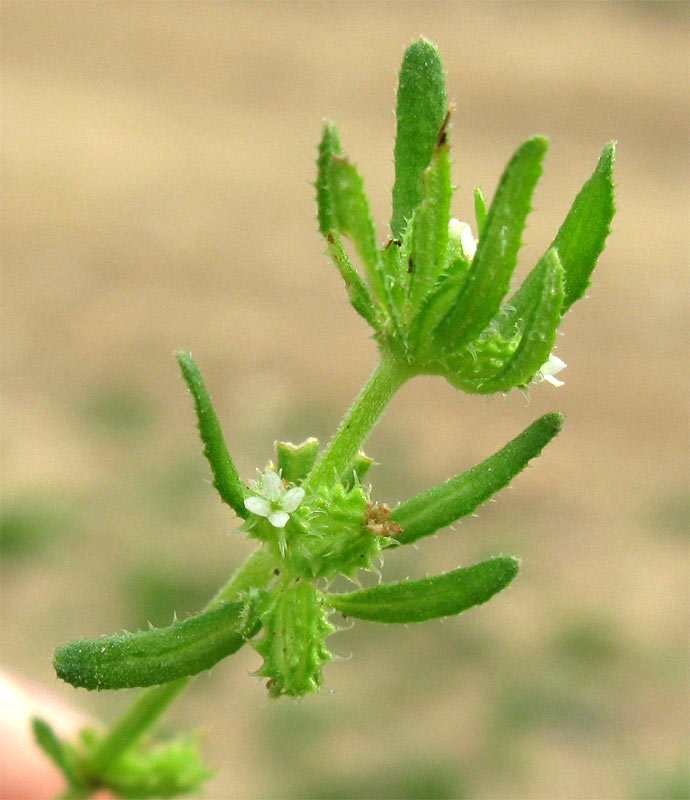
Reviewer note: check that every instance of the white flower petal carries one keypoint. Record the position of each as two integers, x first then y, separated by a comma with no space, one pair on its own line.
468,242
278,518
461,231
271,485
552,367
258,506
293,497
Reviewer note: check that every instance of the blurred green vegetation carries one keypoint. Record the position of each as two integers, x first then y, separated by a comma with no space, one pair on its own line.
116,410
588,642
400,779
670,514
293,733
31,524
665,783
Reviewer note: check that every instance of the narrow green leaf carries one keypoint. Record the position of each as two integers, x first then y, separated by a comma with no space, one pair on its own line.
435,307
359,295
421,110
447,502
583,233
429,229
353,219
489,277
225,476
479,210
429,598
158,655
357,291
295,460
528,323
329,146
396,284
57,751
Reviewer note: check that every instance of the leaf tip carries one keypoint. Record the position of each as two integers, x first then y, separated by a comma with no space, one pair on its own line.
422,48
554,420
608,158
539,144
512,566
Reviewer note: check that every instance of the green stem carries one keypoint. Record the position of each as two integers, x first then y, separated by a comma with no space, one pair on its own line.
358,422
256,571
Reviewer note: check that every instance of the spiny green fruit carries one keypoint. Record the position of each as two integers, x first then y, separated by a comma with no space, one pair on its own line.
296,625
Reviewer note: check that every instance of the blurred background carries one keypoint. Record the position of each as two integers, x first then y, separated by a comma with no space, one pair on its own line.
157,167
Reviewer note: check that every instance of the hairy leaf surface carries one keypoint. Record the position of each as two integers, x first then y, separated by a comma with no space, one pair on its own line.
429,598
489,277
155,656
225,476
583,233
421,110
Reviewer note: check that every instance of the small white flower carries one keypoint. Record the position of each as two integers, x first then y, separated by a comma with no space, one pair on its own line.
552,367
461,232
272,500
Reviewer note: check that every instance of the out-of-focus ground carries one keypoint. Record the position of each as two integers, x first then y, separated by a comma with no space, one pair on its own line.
157,160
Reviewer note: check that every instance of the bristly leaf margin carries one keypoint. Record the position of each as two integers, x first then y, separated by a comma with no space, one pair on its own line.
439,596
226,479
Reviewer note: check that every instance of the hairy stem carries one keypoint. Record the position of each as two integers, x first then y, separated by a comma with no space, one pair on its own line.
358,422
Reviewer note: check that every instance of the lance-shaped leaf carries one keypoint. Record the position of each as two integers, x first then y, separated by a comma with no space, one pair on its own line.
527,327
447,502
295,460
358,293
329,146
158,655
493,264
429,598
421,110
225,476
353,219
396,280
434,307
429,228
583,233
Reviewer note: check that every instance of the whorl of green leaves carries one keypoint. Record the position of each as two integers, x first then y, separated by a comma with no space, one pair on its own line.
432,307
162,770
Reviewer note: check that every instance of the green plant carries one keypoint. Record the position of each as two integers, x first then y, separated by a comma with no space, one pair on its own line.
435,299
